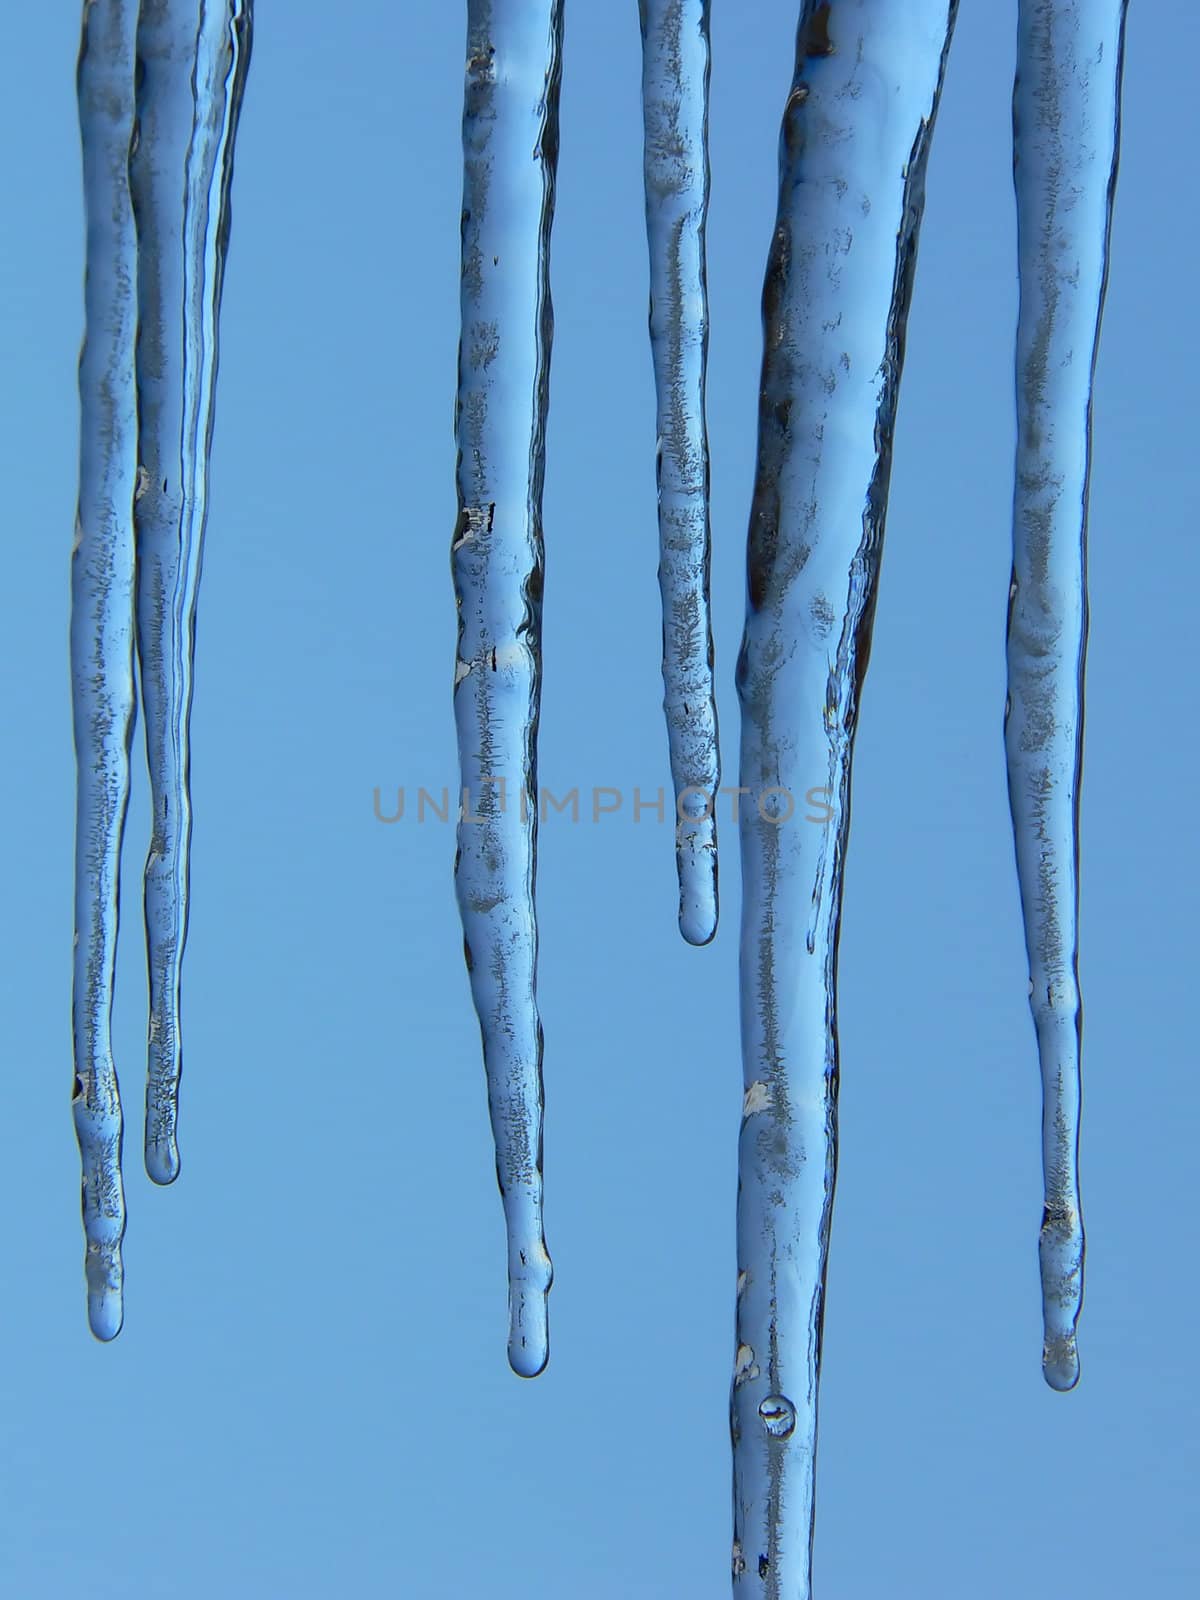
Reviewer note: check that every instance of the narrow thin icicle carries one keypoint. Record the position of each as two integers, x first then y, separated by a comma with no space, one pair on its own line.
675,68
102,578
855,140
1066,132
192,64
510,148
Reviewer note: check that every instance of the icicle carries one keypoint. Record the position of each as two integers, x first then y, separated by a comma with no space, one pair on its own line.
191,74
158,102
675,66
853,150
510,148
1066,111
102,578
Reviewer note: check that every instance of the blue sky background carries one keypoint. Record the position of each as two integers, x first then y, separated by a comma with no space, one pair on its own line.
310,1397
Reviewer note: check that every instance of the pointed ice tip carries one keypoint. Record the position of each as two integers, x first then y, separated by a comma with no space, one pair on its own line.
1060,1364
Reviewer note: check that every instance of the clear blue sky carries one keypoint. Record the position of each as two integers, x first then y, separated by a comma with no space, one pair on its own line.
311,1397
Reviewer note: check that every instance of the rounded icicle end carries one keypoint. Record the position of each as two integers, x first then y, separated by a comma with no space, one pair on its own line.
1060,1364
162,1161
106,1312
529,1331
698,919
696,861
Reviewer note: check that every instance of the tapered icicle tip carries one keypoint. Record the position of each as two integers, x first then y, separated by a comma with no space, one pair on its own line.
528,1330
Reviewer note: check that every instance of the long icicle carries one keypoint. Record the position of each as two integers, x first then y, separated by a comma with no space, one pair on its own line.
675,71
853,150
1066,135
510,150
192,65
102,580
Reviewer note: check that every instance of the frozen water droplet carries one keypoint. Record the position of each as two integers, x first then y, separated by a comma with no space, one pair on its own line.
778,1416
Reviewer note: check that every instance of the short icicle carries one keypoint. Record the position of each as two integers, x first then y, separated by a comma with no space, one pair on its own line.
192,62
675,72
510,150
1066,133
102,580
853,150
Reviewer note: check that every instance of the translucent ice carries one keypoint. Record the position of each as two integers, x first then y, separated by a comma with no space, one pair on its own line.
159,90
855,138
102,584
510,149
191,66
675,69
1066,115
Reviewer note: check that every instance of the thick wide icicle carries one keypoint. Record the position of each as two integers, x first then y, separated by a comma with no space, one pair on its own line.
510,149
191,73
1066,123
675,68
102,580
855,140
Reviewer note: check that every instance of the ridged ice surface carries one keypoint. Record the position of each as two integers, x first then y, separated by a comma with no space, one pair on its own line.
1066,113
675,70
102,579
854,143
159,92
191,73
510,148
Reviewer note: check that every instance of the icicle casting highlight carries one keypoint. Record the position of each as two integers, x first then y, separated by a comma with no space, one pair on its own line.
853,149
510,149
675,71
159,93
1066,130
